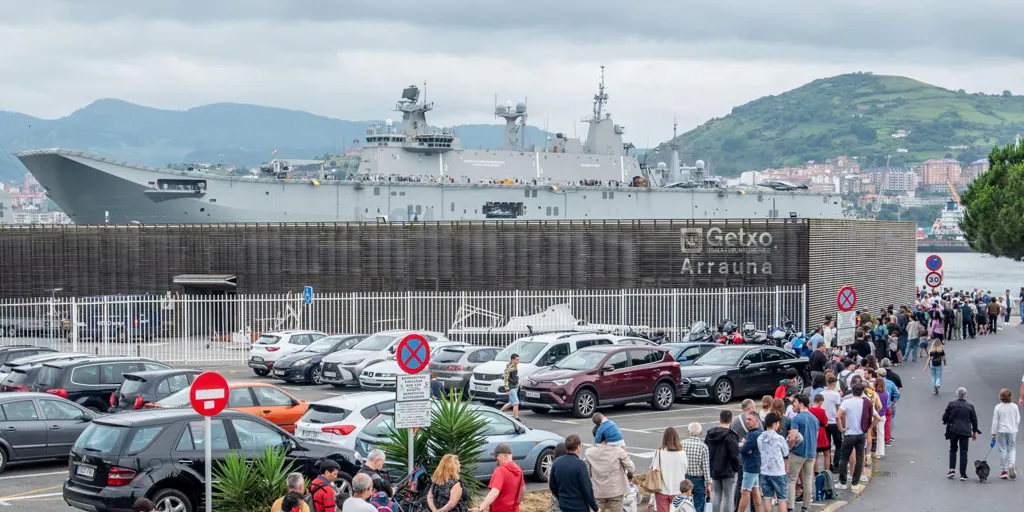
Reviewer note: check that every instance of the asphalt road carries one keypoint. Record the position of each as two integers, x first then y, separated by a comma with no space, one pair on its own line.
913,474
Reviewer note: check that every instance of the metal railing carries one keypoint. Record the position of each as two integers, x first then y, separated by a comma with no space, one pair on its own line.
193,329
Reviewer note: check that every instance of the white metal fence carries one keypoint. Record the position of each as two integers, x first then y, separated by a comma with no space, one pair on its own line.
189,329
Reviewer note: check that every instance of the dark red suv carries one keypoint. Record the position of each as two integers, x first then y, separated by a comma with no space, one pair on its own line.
604,375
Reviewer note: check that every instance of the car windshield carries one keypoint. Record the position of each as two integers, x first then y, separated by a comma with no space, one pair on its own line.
376,343
675,351
722,356
267,339
380,426
582,360
321,345
527,350
179,399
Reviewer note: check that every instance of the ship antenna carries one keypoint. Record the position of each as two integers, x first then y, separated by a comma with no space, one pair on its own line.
600,97
522,139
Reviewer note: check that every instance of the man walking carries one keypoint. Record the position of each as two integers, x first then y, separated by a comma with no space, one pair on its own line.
512,386
570,483
750,488
801,459
724,455
609,465
698,467
507,486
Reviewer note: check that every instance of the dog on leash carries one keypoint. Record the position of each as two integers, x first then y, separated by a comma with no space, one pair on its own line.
982,470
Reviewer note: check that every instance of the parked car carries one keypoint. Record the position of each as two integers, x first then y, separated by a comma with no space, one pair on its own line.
90,381
21,378
141,388
18,351
159,455
343,368
600,376
257,398
39,426
339,419
535,352
304,365
727,372
42,357
383,375
455,365
686,353
532,449
270,346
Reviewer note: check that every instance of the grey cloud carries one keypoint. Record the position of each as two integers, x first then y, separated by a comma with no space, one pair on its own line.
979,27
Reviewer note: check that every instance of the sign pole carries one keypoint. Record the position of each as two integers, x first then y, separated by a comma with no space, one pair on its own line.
411,450
209,463
412,390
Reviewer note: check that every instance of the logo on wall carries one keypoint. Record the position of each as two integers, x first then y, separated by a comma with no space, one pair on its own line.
691,239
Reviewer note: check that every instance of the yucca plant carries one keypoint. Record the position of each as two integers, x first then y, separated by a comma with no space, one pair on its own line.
454,428
239,487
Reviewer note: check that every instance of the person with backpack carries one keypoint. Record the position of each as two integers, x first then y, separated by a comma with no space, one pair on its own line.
296,486
856,417
321,490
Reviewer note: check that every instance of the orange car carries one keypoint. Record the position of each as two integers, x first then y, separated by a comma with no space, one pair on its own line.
256,398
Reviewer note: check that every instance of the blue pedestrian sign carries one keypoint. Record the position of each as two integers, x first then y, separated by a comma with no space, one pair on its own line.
933,262
307,295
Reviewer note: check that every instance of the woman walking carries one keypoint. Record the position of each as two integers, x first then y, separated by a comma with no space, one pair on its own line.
913,339
936,329
1005,421
936,360
446,493
671,461
961,425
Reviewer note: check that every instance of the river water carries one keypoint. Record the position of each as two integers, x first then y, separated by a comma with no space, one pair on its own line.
967,271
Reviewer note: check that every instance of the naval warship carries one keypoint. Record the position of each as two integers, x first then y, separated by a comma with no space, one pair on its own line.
414,172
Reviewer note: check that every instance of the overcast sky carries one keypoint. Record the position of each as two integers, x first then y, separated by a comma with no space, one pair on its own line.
350,59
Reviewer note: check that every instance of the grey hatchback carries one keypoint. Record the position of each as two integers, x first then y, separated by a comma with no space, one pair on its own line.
454,365
39,426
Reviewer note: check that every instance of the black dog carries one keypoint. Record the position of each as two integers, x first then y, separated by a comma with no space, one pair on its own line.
982,470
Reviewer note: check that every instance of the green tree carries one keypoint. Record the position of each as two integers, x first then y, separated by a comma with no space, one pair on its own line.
239,487
994,218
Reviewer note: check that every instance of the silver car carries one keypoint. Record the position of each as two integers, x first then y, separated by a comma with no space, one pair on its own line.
454,365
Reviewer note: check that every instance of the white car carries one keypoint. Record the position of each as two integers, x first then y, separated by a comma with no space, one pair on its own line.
338,420
382,375
535,352
342,368
272,345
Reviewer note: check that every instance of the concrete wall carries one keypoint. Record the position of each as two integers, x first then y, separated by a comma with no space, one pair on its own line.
876,258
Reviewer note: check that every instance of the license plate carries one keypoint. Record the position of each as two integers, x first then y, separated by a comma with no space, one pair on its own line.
86,471
309,434
330,374
479,387
257,359
278,372
532,394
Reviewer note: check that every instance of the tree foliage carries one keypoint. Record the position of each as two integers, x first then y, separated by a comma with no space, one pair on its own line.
994,218
239,487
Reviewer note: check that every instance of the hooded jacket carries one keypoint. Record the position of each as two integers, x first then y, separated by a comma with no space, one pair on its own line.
724,452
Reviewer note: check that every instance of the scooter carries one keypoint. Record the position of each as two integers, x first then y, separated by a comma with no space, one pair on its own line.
728,333
698,333
753,336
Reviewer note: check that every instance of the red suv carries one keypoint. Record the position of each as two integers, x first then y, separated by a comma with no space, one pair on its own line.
604,375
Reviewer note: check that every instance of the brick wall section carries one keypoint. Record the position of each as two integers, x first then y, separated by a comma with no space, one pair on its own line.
876,258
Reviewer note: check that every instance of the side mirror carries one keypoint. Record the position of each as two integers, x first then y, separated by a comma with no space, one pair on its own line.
744,363
607,368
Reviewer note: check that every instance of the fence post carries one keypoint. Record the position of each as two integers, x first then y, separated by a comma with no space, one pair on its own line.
803,304
675,312
778,304
74,325
408,311
622,307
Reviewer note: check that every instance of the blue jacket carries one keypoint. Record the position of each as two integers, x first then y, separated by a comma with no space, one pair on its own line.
570,484
894,392
607,431
749,452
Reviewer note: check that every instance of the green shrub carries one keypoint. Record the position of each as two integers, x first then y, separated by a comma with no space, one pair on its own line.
242,487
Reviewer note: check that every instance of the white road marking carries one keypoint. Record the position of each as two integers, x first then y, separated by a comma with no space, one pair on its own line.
18,498
30,475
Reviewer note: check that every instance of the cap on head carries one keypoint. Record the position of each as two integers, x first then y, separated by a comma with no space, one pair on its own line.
881,372
500,449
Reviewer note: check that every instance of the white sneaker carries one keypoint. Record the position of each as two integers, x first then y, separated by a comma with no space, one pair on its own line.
839,486
863,479
857,488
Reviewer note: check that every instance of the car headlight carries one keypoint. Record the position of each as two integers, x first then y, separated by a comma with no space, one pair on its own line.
700,380
303,361
529,382
352,363
561,382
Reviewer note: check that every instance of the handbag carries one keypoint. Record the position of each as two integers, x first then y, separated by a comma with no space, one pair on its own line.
652,480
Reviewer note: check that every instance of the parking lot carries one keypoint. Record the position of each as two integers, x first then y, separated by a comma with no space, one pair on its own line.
38,486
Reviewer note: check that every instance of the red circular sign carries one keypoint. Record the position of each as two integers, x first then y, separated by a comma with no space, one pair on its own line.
209,394
846,299
413,353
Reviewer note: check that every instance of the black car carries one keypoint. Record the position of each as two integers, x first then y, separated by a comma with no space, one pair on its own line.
158,454
39,426
41,357
304,365
15,351
89,382
141,388
21,378
740,370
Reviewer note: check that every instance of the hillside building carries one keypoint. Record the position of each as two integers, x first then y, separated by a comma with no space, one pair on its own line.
6,208
974,170
935,174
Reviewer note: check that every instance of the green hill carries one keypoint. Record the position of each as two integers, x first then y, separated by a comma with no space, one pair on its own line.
855,115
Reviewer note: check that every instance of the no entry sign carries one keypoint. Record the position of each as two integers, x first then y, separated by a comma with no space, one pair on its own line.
209,394
846,299
933,262
413,353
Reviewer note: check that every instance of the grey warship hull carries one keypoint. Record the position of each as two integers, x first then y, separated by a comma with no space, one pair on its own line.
94,190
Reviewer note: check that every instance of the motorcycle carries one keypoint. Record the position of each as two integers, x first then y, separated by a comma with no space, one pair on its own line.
728,333
751,335
698,333
781,336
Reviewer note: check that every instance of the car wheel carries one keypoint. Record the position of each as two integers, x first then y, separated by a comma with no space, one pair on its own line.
343,484
723,391
172,500
539,410
584,404
316,376
3,459
664,397
542,471
798,381
262,372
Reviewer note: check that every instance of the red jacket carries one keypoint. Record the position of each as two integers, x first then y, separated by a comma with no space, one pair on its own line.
323,495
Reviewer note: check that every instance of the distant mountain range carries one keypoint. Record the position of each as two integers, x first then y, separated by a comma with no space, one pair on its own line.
231,133
853,115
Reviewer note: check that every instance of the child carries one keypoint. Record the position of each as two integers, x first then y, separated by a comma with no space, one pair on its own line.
607,431
684,501
629,501
824,443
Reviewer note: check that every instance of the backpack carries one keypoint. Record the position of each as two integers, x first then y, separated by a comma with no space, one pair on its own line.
824,487
878,333
317,484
